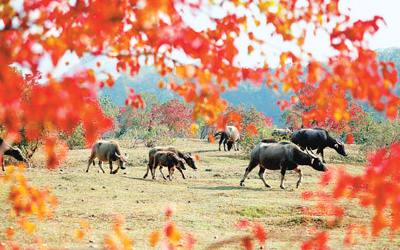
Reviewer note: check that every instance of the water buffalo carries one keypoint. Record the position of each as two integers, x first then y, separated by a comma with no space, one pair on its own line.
7,149
317,138
284,134
281,156
107,151
187,157
168,159
230,136
269,140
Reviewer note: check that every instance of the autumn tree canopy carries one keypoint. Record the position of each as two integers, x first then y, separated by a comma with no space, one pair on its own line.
154,31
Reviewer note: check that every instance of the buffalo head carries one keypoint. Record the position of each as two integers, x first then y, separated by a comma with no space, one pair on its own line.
316,162
189,160
230,144
339,147
121,160
181,163
16,153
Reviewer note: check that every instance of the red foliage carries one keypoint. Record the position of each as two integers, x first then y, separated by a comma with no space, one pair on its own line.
319,242
174,114
99,27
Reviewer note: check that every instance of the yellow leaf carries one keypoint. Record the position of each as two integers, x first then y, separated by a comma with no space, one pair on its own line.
194,128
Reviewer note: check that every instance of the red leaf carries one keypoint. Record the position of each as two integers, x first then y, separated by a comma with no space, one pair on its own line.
349,139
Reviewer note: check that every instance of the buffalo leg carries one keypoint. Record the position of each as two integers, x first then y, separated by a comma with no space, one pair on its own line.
153,171
162,173
283,172
91,159
111,167
298,170
225,142
147,172
220,142
321,151
251,166
116,170
180,170
261,173
101,166
171,172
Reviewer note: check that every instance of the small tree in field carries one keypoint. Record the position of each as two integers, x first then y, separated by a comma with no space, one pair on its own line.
175,115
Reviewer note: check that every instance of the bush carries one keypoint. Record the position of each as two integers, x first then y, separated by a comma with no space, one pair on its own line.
76,140
249,142
383,135
158,136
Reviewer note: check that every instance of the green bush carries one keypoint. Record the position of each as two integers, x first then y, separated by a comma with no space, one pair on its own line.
76,140
249,142
158,136
382,135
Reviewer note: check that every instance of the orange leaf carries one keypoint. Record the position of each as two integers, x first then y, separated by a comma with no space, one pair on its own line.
79,234
250,49
10,232
154,237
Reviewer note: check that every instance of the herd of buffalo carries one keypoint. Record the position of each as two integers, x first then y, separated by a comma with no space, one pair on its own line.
268,154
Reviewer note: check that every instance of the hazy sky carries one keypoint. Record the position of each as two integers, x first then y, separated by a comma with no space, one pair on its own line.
387,36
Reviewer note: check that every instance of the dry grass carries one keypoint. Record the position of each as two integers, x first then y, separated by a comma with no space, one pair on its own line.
208,203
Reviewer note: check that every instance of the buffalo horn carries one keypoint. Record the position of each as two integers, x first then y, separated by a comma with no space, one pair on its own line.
311,153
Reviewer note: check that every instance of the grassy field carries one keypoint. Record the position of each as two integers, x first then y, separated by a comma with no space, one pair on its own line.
208,203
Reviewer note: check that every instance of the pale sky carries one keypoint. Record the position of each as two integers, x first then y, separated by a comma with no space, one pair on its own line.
387,36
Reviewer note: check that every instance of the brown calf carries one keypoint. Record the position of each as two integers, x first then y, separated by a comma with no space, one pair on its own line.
187,157
167,159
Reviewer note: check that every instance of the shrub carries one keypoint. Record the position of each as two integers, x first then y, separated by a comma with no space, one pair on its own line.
382,135
76,140
248,142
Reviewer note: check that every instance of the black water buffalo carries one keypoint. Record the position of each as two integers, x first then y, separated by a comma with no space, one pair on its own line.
281,156
168,159
317,138
187,157
269,140
284,134
107,151
7,149
230,136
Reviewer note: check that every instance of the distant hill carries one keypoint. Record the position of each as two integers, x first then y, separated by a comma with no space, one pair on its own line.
264,99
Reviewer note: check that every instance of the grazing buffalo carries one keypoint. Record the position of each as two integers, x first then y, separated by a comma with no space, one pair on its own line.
186,157
107,151
230,136
168,159
282,134
281,156
317,138
7,149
